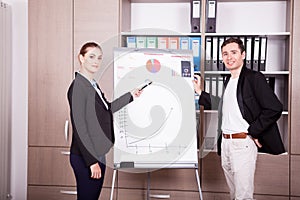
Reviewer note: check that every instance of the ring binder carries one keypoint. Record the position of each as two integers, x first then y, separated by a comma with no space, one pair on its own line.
211,12
208,53
262,54
195,16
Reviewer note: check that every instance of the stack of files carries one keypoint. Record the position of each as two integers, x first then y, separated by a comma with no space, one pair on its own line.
214,84
255,46
212,54
256,52
172,42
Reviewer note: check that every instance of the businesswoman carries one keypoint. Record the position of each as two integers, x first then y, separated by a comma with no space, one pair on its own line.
92,123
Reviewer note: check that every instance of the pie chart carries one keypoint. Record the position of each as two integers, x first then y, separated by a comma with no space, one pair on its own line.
153,65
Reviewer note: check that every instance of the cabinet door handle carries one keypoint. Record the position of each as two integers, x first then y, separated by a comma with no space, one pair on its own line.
160,196
68,192
67,130
65,153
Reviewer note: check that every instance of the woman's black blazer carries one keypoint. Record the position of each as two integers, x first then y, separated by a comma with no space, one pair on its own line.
92,123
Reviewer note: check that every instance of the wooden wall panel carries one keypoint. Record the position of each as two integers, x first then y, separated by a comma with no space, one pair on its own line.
180,179
272,174
133,180
213,179
51,193
99,24
49,166
222,196
109,170
60,193
295,175
215,196
295,77
125,194
50,70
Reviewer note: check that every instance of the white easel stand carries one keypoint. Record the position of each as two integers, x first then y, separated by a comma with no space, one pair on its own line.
148,187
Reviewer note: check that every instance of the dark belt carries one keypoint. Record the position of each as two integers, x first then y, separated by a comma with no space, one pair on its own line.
235,135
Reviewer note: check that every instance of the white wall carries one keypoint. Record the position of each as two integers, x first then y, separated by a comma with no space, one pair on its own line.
19,98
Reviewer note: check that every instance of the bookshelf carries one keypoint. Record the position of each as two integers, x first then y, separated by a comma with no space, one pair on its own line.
247,18
240,22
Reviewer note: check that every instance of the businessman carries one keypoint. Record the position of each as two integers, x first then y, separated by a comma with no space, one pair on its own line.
247,120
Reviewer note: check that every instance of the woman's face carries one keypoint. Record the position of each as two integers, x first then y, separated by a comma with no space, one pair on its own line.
91,61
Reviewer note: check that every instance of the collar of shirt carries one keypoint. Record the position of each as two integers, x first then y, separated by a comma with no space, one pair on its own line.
94,84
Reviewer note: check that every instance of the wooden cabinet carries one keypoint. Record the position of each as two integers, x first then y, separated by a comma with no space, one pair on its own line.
61,193
55,162
57,29
50,73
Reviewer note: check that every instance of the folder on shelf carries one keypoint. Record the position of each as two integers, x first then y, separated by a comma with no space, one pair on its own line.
215,53
207,84
262,54
208,53
162,42
151,42
256,48
221,66
141,42
195,46
209,143
211,14
131,42
173,42
195,6
184,43
197,107
220,85
248,47
243,39
214,87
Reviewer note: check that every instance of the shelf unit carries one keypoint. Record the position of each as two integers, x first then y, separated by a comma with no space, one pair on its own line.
273,19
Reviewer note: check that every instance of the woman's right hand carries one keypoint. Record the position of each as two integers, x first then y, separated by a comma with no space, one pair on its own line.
95,171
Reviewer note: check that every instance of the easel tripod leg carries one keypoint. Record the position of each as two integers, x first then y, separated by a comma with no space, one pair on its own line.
199,187
148,185
113,185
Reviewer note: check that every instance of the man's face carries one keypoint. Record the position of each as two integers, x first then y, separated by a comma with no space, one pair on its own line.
232,56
